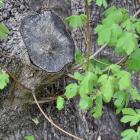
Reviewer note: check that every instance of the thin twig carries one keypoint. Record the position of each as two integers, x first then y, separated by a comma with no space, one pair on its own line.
121,61
56,126
49,120
48,2
77,67
70,75
137,13
43,101
98,51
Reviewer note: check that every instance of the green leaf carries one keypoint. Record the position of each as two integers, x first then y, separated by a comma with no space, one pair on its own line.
1,4
125,80
71,90
115,68
127,43
78,76
137,25
77,21
121,100
134,94
107,87
60,103
100,63
86,86
103,78
4,31
133,62
85,103
4,79
31,137
79,58
104,34
113,12
97,111
101,2
116,32
131,116
129,134
108,33
35,120
128,25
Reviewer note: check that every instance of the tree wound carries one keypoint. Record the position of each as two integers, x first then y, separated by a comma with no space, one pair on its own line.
49,45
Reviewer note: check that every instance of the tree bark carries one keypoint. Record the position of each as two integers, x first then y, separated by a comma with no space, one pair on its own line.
16,116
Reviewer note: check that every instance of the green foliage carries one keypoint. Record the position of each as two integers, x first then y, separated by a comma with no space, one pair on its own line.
121,100
127,43
120,32
97,110
137,25
134,94
36,121
108,33
133,63
107,88
1,3
4,79
130,134
30,137
101,2
130,115
71,90
103,82
113,12
77,21
60,103
4,31
124,80
133,117
85,103
79,58
86,85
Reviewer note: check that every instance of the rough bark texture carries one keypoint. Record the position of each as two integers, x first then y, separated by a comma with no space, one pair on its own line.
16,117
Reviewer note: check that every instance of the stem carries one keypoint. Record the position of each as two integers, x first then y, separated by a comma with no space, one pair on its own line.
50,120
137,13
88,34
100,62
91,57
98,51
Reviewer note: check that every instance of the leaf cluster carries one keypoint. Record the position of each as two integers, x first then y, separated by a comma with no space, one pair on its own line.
96,86
120,33
103,81
133,117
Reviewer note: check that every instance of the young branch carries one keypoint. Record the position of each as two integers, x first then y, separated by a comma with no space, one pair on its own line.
98,51
137,13
49,120
88,33
91,57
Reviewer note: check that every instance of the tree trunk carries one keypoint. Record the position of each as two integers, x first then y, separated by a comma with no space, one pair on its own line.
17,108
